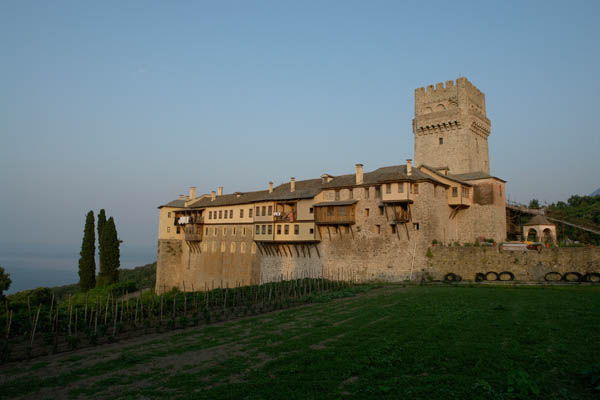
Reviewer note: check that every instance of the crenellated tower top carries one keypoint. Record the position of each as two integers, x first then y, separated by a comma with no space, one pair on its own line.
451,127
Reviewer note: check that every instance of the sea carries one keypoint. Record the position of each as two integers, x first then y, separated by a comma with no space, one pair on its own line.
46,265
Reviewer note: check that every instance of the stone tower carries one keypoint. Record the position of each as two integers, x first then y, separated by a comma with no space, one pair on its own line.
451,128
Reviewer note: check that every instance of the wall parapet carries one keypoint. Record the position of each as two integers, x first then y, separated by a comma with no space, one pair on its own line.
528,266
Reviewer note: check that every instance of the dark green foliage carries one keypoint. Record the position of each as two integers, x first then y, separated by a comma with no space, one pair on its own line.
87,259
4,282
534,203
101,224
579,210
110,255
41,295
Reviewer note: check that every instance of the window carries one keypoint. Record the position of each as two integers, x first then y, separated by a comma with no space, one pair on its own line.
264,229
311,210
226,214
312,231
224,231
337,195
258,211
242,213
416,190
416,226
178,230
270,212
393,228
168,215
244,231
233,231
378,192
296,229
168,229
454,192
378,229
270,229
206,232
279,229
286,229
342,211
257,229
381,210
230,213
215,232
441,140
250,212
366,212
401,187
366,191
264,211
388,188
329,211
220,214
465,192
351,193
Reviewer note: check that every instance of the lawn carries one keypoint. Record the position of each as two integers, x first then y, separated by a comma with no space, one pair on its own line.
419,342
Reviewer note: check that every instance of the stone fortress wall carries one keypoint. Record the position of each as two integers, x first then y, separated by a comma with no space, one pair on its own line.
528,266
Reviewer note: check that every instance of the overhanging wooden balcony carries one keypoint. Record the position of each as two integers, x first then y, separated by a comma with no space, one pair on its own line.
192,233
335,213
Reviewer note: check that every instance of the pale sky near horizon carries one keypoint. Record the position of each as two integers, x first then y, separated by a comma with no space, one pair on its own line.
124,105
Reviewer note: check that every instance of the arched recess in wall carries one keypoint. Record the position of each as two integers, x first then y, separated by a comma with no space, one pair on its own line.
440,107
547,235
428,110
532,235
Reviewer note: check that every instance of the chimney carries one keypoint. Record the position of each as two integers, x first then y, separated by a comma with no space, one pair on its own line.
409,167
187,198
220,191
193,192
270,187
359,174
213,195
181,197
292,184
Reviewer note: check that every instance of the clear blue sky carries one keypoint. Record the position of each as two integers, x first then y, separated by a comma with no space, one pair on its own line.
124,105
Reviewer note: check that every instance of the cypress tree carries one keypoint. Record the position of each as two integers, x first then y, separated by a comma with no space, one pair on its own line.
101,225
87,261
110,255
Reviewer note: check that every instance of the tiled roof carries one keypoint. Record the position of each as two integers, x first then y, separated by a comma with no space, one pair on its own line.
174,203
471,176
538,220
309,188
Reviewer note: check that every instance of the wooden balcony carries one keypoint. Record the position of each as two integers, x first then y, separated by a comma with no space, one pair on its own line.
335,213
192,233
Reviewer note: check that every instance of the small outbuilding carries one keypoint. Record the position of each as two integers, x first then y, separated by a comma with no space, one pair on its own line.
539,229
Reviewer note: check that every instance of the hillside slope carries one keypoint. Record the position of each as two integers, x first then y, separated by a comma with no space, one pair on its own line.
396,342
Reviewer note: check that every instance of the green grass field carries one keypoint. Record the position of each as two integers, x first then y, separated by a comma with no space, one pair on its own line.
426,342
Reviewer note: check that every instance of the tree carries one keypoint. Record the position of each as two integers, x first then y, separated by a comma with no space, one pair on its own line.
4,282
534,204
110,255
87,259
101,225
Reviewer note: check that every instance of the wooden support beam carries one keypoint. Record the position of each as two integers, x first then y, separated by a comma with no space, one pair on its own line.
308,248
397,233
407,234
352,231
290,250
303,253
329,232
317,249
297,252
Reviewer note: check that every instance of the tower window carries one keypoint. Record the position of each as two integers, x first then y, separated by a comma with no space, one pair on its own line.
441,140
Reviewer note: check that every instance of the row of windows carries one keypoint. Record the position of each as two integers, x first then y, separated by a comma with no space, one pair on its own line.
268,229
465,192
224,214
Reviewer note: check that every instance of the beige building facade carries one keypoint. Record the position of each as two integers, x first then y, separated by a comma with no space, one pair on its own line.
366,225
